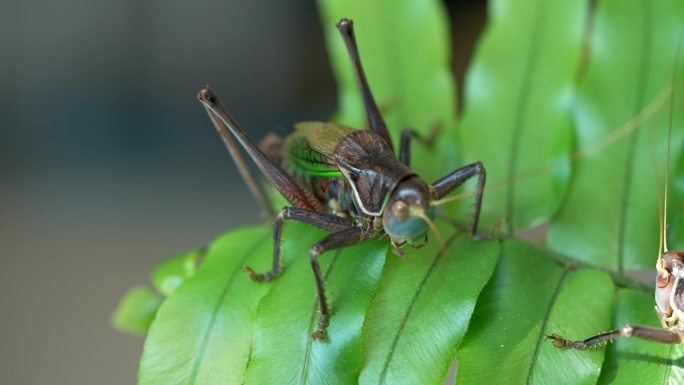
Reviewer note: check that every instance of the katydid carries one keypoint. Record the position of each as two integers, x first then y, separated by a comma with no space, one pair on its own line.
343,180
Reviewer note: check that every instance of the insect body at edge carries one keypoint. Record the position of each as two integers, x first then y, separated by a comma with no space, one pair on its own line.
345,181
669,290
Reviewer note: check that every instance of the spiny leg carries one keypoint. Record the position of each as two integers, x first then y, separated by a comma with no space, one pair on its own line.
375,120
649,333
295,194
405,142
448,183
342,238
321,220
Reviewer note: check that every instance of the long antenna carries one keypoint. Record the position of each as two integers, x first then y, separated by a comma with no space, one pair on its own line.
617,134
667,175
659,193
669,137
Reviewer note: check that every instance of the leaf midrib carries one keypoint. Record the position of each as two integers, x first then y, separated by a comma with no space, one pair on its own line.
545,321
668,367
205,338
309,339
409,309
629,171
520,112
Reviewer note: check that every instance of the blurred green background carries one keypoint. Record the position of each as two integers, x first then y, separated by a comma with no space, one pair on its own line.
108,164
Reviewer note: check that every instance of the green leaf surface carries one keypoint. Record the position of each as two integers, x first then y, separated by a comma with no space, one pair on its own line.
518,97
403,321
531,296
422,309
203,331
170,274
406,52
610,217
138,307
284,352
634,361
136,310
675,235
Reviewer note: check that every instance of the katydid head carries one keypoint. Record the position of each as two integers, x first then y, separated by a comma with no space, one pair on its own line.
670,266
408,215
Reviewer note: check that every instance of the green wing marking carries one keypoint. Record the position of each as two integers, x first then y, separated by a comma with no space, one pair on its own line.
310,149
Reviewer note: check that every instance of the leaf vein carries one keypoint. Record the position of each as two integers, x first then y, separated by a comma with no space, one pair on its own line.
409,309
627,181
547,315
520,109
205,338
309,339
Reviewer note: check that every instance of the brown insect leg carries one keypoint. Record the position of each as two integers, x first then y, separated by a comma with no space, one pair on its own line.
296,195
321,220
346,237
405,142
447,184
252,183
649,333
375,120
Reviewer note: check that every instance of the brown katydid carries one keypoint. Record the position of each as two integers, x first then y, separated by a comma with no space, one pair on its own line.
345,181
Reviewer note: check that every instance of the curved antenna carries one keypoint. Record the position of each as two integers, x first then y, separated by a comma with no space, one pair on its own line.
440,239
439,202
616,135
659,193
663,225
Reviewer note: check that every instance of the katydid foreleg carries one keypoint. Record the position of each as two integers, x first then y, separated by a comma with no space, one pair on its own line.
448,183
342,238
649,333
321,220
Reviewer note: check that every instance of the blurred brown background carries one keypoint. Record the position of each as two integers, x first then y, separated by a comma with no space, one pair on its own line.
108,164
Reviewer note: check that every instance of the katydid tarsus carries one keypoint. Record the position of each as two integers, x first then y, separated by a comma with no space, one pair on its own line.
346,181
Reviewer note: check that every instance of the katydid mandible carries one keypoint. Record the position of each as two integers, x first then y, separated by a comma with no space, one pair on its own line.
346,181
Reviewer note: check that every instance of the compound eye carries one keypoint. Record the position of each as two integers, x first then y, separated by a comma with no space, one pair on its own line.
663,278
400,210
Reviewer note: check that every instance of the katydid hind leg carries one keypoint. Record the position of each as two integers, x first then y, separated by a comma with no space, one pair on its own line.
342,238
649,333
375,120
321,220
252,182
282,181
448,183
